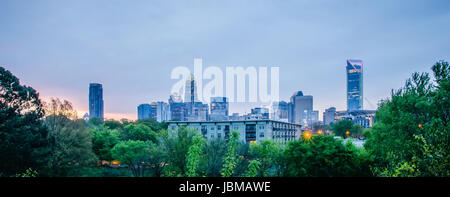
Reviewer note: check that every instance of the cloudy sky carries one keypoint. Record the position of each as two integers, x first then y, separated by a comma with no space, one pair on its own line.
59,47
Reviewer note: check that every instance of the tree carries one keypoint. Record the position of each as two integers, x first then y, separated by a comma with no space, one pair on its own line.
178,145
341,127
356,130
23,137
269,154
230,160
71,139
133,153
324,156
214,153
157,159
254,169
138,132
103,140
194,155
411,136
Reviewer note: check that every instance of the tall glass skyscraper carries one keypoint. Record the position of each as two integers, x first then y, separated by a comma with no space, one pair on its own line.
354,85
219,108
95,100
190,95
144,111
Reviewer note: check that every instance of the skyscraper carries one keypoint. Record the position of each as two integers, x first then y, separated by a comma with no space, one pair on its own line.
95,100
300,104
177,108
280,111
354,85
329,115
162,111
144,111
190,94
219,108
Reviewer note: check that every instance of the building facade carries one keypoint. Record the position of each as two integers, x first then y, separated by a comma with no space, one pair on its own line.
354,85
329,115
310,117
249,130
219,107
280,111
144,111
300,104
258,113
162,111
365,118
95,100
196,111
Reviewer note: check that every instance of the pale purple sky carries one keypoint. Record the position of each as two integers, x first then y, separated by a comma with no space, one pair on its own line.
59,47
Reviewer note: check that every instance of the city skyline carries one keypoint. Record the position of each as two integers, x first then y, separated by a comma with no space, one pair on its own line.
58,49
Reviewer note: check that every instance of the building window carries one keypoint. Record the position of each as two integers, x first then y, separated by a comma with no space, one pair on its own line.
212,135
219,127
219,135
212,128
261,134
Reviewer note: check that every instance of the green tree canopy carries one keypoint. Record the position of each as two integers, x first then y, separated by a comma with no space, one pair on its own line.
133,153
103,140
139,132
324,156
412,130
23,137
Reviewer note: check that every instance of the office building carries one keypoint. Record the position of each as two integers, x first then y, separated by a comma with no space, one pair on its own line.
329,115
258,113
196,111
280,111
365,118
144,111
95,101
310,117
177,108
219,108
190,95
354,85
162,111
299,104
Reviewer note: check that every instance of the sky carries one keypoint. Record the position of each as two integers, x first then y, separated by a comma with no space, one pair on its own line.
59,47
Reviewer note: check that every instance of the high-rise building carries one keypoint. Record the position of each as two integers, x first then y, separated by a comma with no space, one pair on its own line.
177,108
310,117
259,113
190,94
300,104
219,108
144,111
95,100
162,111
329,115
354,85
280,111
196,111
153,107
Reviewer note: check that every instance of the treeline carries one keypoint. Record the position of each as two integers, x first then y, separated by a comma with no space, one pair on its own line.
410,138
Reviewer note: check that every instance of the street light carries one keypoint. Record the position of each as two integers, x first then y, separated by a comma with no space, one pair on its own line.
307,135
319,132
347,133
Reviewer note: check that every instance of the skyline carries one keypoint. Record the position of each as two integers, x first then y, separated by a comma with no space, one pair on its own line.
58,48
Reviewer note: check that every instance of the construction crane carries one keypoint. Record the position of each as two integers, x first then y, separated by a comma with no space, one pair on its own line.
370,103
